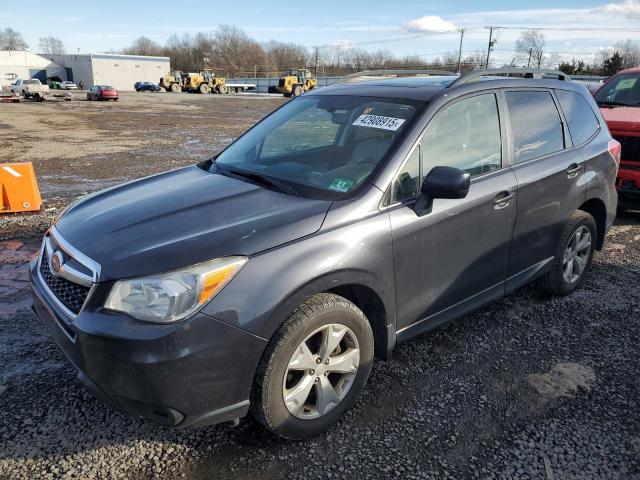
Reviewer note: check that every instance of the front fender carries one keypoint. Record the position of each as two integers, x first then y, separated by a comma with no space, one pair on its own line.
272,284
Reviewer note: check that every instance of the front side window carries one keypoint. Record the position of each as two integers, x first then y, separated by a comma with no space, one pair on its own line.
621,90
535,124
465,135
321,145
580,117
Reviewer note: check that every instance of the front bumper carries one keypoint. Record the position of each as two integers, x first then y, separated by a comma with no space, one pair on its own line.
197,372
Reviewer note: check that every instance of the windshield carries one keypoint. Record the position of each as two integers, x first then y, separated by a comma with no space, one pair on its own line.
621,90
321,145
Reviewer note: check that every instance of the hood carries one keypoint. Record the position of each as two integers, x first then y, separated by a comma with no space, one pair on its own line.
622,119
183,217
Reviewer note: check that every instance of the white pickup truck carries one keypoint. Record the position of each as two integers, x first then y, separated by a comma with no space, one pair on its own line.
31,88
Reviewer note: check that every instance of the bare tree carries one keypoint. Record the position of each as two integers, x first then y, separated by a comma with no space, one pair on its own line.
530,47
283,55
51,46
236,53
143,46
629,51
12,40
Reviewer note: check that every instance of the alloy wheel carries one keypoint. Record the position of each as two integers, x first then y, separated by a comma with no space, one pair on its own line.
576,255
321,371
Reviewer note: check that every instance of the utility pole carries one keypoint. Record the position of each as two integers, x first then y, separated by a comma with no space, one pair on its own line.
316,60
529,61
492,42
460,49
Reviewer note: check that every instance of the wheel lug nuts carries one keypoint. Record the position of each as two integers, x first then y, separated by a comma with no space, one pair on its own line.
318,360
311,372
326,362
317,379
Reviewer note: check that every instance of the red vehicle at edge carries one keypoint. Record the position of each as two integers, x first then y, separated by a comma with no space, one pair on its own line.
102,92
619,102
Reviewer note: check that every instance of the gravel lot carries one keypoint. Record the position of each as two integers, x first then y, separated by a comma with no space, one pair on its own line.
527,387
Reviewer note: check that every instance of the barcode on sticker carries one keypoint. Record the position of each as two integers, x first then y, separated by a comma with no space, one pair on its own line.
377,121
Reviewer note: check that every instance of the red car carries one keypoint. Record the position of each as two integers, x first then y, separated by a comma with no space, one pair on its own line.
102,92
619,102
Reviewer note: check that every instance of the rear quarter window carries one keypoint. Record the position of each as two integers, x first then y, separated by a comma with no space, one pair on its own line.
583,123
535,124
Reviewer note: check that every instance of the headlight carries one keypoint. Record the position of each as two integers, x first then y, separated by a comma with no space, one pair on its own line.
172,296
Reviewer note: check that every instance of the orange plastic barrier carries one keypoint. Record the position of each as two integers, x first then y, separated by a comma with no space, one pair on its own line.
18,188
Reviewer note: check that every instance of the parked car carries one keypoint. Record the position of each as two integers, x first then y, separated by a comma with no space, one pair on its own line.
349,220
619,102
67,85
147,87
30,88
102,92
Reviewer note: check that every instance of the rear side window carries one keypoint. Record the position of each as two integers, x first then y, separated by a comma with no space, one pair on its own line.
535,123
580,117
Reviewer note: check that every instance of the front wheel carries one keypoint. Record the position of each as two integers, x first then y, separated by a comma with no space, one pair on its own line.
573,256
314,368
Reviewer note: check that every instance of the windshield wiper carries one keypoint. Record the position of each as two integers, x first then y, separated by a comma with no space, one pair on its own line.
612,104
282,187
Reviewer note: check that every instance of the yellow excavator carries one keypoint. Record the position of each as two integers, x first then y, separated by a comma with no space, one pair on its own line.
294,82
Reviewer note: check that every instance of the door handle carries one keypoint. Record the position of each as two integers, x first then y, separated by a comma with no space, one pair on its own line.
502,199
573,170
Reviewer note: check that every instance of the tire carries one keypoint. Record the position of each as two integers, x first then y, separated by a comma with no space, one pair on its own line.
175,88
116,99
309,324
564,277
88,97
203,88
297,91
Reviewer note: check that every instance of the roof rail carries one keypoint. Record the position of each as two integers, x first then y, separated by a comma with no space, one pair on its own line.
354,77
517,71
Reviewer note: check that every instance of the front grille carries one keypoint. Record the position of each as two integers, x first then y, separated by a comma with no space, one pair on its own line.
630,148
70,294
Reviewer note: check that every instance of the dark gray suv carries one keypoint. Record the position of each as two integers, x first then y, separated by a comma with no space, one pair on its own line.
347,221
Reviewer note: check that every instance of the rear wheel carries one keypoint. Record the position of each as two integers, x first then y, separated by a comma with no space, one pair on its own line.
175,88
204,88
297,91
314,368
223,89
573,256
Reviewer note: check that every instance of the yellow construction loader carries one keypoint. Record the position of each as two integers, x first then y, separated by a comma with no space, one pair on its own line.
172,82
295,82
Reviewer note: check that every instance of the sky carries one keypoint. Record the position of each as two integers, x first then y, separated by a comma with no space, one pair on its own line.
576,29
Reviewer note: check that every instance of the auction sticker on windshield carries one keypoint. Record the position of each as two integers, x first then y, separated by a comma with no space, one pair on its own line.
377,121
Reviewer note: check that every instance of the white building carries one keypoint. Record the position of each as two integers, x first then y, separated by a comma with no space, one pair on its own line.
22,64
118,71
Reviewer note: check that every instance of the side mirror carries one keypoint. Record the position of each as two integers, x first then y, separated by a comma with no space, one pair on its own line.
442,182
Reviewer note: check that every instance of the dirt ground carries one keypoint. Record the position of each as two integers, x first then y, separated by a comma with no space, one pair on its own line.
529,387
82,146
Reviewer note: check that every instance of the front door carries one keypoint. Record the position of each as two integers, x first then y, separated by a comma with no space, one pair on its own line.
455,256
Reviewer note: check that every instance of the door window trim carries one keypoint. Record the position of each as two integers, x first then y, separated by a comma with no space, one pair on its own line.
503,148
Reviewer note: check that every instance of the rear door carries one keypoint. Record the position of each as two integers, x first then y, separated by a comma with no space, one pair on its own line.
550,175
456,256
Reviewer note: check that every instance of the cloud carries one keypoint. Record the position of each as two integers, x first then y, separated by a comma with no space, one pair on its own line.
628,8
429,23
